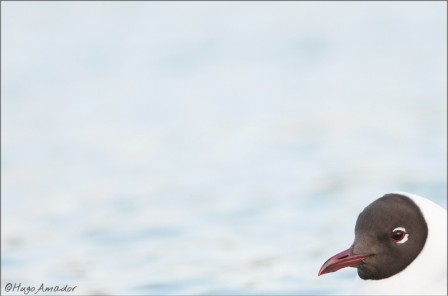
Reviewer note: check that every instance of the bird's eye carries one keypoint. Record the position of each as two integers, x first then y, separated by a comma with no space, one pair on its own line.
399,235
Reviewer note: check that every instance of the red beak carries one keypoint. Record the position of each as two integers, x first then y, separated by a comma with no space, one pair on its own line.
341,260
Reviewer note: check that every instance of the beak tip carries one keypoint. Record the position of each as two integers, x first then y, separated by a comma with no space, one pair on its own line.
341,260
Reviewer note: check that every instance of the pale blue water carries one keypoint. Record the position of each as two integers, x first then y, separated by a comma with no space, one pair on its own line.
211,148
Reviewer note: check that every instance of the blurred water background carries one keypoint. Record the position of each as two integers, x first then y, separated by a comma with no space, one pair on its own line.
211,147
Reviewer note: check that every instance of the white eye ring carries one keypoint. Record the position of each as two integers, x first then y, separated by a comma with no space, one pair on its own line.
406,235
